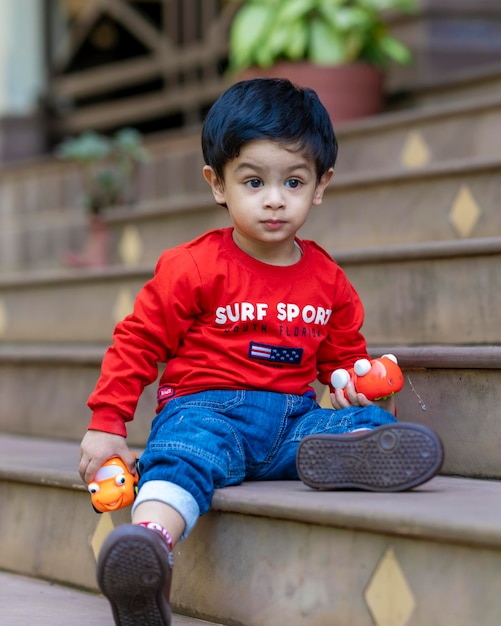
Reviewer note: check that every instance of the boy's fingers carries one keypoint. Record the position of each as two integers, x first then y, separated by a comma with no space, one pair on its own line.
352,394
339,400
88,469
362,400
130,461
82,468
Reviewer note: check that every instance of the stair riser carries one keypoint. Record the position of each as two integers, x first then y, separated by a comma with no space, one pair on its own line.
47,240
78,310
155,232
49,400
324,577
407,210
43,239
420,141
47,533
477,88
461,405
382,212
430,301
303,575
423,301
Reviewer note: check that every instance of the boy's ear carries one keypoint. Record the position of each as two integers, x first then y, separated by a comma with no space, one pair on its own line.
216,185
322,186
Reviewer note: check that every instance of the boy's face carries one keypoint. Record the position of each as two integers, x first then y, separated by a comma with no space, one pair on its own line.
269,190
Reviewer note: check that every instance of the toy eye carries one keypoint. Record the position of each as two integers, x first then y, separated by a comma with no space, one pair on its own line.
340,378
392,357
120,480
93,488
362,367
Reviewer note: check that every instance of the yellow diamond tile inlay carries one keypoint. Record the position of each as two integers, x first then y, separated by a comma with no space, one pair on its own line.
104,527
3,318
130,248
388,594
123,306
415,152
465,212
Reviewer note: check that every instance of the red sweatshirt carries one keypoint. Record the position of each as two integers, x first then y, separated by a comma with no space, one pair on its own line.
220,319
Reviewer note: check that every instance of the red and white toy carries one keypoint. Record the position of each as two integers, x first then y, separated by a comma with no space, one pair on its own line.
377,379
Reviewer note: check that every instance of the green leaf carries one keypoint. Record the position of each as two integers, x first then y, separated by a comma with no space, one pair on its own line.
380,6
291,10
326,45
278,41
246,34
297,44
322,31
395,50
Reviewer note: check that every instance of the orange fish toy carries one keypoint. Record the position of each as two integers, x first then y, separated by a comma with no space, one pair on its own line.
377,379
113,486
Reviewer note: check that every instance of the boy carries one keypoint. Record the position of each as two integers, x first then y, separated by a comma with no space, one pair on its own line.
245,319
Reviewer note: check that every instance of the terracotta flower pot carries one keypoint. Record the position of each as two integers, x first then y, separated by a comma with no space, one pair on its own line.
96,248
347,91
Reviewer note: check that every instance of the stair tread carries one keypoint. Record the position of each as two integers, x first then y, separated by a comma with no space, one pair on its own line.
419,114
27,600
484,356
475,246
447,508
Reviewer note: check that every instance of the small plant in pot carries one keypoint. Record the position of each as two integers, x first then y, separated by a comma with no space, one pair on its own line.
316,43
109,168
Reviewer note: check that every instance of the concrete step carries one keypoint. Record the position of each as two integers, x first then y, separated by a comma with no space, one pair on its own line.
457,84
41,219
450,201
32,601
412,138
54,381
410,292
447,388
430,293
277,552
449,39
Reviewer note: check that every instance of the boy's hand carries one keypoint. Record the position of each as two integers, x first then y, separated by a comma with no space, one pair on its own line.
97,447
339,401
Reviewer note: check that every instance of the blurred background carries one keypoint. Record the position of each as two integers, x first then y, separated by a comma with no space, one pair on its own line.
68,66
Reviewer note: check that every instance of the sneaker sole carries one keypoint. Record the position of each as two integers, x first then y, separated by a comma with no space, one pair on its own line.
132,573
393,457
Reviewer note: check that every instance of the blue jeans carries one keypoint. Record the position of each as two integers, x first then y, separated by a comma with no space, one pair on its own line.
214,439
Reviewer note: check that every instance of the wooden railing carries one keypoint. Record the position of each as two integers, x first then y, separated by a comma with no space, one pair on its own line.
116,62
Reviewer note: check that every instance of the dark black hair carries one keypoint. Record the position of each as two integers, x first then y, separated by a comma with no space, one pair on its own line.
273,109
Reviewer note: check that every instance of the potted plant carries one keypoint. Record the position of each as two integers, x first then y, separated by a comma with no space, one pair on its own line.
109,169
338,47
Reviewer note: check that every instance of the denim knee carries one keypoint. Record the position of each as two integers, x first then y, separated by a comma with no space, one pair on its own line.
194,447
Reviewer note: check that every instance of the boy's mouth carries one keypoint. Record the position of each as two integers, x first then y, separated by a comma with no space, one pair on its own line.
274,224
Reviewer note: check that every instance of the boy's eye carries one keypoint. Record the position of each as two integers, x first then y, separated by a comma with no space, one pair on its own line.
293,183
254,183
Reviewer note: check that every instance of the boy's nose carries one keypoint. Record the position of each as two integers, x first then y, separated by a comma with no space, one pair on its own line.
274,199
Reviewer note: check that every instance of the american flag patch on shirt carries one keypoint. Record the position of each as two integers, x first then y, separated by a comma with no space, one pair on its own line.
275,354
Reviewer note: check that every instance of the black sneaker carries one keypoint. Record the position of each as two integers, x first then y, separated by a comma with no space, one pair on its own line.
393,457
134,571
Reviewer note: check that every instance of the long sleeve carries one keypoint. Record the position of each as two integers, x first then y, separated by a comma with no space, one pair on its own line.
163,312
